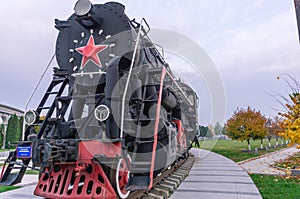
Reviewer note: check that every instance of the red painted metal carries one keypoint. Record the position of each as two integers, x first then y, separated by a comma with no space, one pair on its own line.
89,148
3,169
90,52
181,137
162,77
82,179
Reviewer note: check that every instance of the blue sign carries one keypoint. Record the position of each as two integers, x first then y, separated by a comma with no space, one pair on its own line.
24,151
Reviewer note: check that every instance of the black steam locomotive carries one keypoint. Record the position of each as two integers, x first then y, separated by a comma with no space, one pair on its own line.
113,117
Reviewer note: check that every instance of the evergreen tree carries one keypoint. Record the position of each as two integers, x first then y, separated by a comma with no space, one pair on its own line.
1,134
224,132
203,130
218,129
13,133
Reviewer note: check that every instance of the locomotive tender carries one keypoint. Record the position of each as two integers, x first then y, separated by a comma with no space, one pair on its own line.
113,117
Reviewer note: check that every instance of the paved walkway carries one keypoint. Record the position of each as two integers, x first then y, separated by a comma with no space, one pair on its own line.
213,176
263,165
26,192
4,154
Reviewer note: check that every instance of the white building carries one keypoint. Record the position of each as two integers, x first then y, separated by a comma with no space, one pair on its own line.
6,112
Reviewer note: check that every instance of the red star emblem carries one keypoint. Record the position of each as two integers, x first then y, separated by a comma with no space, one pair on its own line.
90,52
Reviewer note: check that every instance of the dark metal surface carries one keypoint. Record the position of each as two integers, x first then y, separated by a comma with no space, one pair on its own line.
10,178
297,8
108,17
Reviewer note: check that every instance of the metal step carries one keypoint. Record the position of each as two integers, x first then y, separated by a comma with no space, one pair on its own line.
9,180
52,119
144,142
15,167
151,85
130,131
138,183
130,120
51,93
64,98
141,164
44,107
143,119
58,79
149,100
147,119
139,170
155,70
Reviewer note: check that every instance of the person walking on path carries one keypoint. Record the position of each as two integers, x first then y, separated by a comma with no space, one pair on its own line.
197,144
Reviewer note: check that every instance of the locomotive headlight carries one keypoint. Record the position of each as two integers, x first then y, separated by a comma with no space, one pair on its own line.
82,7
102,112
30,117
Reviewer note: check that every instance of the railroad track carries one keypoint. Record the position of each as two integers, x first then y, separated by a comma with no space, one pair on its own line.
166,183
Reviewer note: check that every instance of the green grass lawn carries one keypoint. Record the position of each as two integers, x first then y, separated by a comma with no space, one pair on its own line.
274,187
8,188
233,149
3,150
32,172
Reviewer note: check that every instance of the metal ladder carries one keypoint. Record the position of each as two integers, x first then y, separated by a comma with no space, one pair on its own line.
9,178
141,165
58,94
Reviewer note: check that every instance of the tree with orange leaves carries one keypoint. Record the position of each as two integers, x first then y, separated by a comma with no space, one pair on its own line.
291,114
246,125
277,127
291,120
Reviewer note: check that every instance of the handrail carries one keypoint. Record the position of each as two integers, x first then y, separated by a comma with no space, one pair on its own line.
180,89
128,79
33,92
162,49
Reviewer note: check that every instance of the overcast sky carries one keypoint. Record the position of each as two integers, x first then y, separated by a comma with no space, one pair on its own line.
250,43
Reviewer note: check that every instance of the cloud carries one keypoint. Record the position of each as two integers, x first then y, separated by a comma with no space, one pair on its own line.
258,3
251,42
270,43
